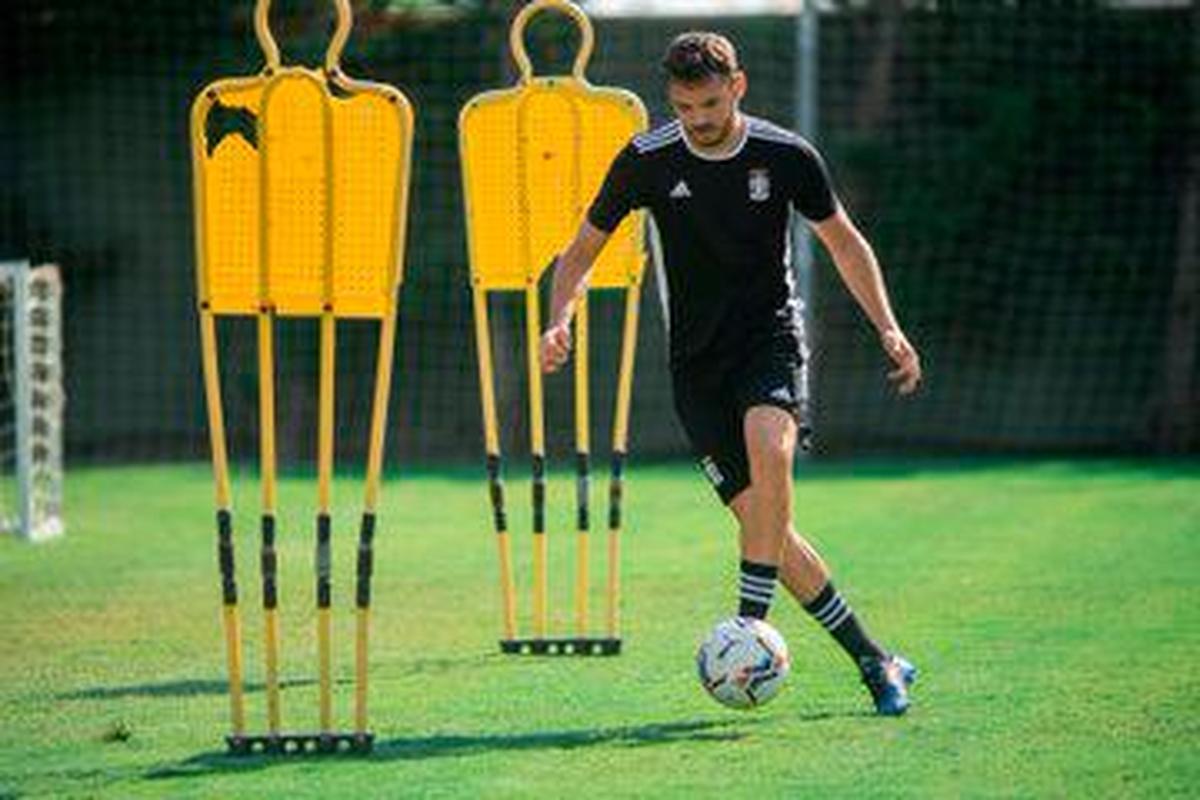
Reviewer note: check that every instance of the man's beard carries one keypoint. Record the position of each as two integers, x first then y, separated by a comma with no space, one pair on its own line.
711,135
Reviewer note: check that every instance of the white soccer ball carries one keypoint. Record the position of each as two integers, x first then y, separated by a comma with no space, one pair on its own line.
743,662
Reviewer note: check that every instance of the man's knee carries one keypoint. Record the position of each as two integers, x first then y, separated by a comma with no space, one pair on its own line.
770,437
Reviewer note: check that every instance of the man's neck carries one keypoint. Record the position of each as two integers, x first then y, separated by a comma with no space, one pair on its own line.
731,142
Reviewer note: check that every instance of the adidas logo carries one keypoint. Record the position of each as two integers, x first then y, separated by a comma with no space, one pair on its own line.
681,190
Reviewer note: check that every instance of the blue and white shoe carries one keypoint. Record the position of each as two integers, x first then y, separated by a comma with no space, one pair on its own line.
888,680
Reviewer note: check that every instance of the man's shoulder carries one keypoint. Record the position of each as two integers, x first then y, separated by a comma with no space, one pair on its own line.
657,139
763,130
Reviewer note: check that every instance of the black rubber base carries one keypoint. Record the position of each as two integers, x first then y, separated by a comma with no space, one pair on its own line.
561,647
301,744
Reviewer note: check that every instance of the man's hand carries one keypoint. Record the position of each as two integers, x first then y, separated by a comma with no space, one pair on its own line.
907,373
556,346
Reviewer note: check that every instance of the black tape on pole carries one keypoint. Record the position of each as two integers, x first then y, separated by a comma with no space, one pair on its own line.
225,557
269,562
366,558
539,494
496,492
582,469
324,561
615,491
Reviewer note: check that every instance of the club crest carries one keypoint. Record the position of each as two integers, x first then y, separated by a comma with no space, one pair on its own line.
760,185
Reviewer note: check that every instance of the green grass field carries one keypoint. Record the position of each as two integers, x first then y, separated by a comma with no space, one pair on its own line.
1054,609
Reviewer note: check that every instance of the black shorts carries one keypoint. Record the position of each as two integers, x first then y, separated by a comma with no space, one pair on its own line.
713,395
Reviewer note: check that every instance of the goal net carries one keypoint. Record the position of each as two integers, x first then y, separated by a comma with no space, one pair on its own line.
31,400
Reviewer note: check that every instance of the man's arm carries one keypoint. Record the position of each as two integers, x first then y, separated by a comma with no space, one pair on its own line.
570,279
859,269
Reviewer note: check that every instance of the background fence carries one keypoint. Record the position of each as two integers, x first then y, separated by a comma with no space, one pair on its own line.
1028,176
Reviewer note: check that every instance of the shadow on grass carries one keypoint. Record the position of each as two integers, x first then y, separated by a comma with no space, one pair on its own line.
181,688
456,746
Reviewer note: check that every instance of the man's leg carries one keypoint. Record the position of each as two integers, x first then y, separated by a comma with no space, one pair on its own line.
801,569
807,579
764,509
770,546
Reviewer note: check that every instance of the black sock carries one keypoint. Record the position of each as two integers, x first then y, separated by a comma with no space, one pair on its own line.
756,589
836,616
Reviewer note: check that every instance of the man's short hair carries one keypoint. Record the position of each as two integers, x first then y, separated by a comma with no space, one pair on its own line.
698,55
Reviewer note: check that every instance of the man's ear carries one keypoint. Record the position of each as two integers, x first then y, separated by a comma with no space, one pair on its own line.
740,84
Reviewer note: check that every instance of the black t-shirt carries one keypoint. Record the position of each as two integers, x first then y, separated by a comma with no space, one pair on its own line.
724,228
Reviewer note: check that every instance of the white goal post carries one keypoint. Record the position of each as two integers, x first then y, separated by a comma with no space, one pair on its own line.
31,400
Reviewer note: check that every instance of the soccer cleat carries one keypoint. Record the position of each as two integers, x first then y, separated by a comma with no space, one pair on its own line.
888,680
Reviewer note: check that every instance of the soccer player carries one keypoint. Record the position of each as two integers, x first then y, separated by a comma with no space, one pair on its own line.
721,186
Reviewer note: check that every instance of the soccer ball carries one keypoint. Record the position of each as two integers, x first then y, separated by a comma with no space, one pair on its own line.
743,662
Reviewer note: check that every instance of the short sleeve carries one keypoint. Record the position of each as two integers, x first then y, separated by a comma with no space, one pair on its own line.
813,195
620,192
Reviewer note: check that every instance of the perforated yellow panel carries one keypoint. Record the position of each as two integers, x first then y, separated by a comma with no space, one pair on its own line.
228,177
369,136
533,158
297,150
301,188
